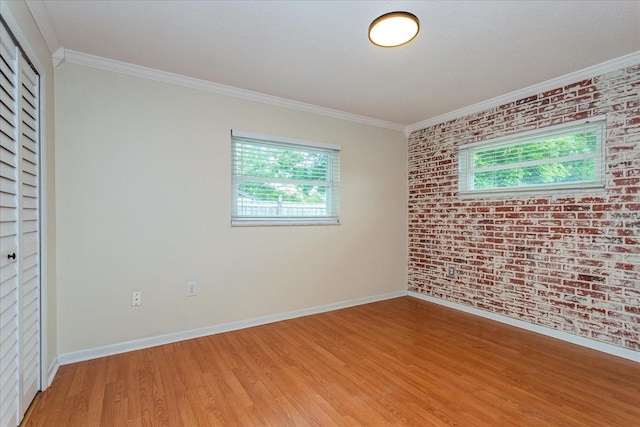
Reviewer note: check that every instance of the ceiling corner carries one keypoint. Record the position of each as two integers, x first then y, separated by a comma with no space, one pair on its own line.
41,16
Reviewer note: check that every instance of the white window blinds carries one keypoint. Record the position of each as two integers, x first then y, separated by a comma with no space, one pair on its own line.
281,181
565,157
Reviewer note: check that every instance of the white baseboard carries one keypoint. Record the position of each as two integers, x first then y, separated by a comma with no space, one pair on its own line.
53,370
564,336
108,350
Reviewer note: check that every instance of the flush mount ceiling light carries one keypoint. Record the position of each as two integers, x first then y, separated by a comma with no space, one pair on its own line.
394,29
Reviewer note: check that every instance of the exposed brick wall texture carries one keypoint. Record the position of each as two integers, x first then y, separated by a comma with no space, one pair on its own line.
570,262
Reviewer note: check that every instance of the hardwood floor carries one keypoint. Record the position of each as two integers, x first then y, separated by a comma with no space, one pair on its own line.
392,363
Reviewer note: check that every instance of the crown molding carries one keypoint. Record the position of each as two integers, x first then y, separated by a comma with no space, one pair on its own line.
58,57
79,58
107,64
603,68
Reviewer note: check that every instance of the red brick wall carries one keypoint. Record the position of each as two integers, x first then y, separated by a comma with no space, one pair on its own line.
570,262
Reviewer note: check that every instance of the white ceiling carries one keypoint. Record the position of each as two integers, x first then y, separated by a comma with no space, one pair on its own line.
317,52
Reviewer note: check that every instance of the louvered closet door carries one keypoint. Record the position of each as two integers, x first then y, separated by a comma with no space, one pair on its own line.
9,344
19,234
28,227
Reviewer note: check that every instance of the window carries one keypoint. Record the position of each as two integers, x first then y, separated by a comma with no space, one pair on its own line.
282,181
564,157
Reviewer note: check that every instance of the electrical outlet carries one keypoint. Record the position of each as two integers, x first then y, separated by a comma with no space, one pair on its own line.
451,271
192,289
136,299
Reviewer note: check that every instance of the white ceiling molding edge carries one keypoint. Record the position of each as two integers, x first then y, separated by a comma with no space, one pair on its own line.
107,64
595,70
58,57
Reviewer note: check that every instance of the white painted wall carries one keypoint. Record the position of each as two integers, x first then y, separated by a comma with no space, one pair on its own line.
143,197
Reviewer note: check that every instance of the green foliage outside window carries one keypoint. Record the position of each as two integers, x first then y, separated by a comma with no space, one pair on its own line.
301,170
563,159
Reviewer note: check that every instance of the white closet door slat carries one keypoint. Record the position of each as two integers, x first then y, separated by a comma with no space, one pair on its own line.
9,277
29,236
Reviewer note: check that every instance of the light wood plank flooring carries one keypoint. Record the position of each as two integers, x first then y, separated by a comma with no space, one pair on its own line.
392,363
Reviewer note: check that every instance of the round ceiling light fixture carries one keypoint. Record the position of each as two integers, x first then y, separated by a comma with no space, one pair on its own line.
394,29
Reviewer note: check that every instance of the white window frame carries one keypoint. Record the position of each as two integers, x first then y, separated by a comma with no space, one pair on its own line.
332,182
467,152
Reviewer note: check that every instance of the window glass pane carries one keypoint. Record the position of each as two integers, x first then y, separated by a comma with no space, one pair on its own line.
544,149
560,157
265,199
278,181
565,172
281,163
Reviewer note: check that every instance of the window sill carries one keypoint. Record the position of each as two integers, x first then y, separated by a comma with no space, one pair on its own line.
524,191
272,222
